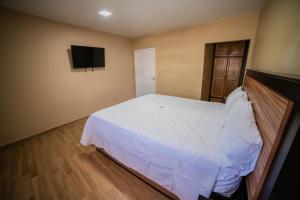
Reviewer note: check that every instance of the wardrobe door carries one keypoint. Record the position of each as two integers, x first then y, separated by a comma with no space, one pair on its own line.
221,49
218,79
236,48
232,75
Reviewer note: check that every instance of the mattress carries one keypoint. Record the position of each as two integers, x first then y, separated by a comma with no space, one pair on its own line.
170,140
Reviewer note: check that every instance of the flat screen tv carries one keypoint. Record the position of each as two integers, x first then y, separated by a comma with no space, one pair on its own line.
85,57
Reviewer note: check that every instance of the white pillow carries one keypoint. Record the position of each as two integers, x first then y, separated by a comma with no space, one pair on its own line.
238,95
234,93
240,140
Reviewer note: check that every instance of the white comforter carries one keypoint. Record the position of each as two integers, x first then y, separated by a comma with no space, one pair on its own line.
173,141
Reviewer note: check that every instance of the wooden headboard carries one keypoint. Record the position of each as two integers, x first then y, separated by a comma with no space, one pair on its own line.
271,111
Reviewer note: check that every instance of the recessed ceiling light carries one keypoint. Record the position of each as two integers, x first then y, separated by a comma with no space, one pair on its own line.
104,13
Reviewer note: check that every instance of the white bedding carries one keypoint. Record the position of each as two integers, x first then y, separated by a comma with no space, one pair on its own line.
171,140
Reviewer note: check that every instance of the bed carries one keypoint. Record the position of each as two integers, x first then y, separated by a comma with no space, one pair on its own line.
166,150
173,143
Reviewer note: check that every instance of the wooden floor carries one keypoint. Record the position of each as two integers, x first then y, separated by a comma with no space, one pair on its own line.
54,165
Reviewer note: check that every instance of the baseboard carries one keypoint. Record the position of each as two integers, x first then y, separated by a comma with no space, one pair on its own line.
41,132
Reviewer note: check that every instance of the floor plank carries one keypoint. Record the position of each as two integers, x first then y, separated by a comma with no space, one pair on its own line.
53,165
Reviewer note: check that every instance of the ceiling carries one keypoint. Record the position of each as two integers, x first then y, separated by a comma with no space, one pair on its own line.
134,18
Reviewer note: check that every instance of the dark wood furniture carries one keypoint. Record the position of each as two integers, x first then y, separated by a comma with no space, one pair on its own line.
228,67
271,111
281,179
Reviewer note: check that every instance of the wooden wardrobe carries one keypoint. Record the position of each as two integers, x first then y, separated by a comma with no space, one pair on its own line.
228,69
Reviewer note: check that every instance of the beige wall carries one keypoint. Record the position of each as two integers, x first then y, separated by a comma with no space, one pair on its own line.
180,53
39,88
277,45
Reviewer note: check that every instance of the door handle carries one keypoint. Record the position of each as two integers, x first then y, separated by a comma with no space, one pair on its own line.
153,78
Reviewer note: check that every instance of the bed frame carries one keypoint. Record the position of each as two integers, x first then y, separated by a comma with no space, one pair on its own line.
272,111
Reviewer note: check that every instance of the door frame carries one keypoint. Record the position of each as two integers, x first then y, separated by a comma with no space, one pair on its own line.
155,74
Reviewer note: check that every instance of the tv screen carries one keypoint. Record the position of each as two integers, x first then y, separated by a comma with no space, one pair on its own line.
84,57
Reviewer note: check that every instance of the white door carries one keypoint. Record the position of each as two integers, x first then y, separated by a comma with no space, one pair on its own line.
145,80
